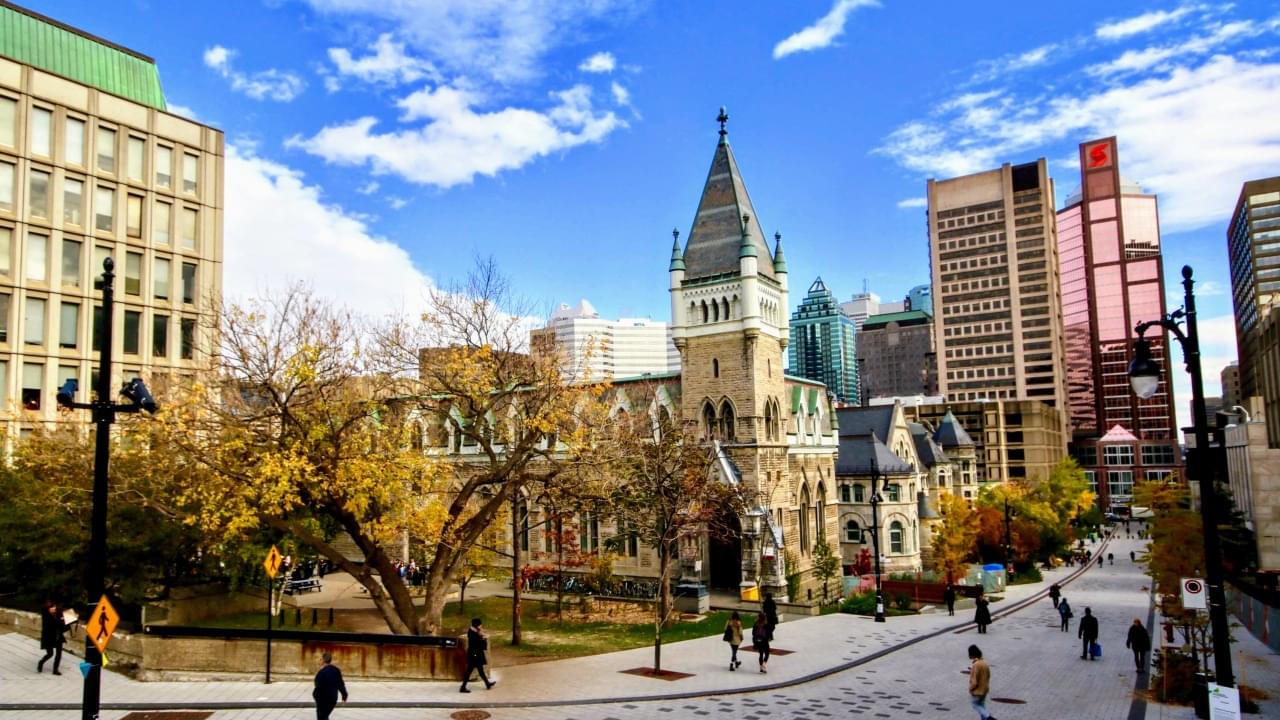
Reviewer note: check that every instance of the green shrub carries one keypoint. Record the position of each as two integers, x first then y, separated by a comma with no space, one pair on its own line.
863,603
902,601
1027,576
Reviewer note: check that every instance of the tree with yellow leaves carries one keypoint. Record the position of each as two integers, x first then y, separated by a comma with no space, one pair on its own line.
955,538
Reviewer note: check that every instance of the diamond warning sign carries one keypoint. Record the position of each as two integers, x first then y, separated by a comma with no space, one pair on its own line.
102,622
272,563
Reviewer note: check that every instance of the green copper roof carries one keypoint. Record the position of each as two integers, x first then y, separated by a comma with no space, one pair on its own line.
677,257
35,40
910,317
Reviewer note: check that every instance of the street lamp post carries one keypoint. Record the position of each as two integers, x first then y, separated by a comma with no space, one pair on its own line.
104,414
1008,543
875,534
1144,375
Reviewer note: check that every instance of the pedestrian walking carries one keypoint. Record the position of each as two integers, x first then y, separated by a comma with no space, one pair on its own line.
1088,634
979,682
949,597
329,686
733,636
53,634
982,616
760,639
1139,641
1133,556
1111,559
477,644
1064,612
1055,592
771,612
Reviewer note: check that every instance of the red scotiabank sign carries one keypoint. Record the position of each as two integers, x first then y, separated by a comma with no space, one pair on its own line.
1098,155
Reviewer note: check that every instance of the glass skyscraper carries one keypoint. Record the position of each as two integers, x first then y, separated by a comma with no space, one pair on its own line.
822,344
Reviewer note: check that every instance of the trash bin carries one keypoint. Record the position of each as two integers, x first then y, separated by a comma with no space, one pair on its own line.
1200,693
751,593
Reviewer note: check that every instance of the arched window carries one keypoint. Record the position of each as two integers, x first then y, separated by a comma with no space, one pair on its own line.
820,515
704,311
768,420
728,427
715,367
852,533
895,537
724,308
715,310
708,420
804,520
664,421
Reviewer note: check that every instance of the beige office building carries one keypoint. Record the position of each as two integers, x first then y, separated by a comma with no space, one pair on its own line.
994,264
91,166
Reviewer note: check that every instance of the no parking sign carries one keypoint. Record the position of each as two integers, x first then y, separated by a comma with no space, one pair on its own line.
1193,594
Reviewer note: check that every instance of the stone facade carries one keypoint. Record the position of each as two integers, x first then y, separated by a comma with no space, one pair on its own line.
1253,471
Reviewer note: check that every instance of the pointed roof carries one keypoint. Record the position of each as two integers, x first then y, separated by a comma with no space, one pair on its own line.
677,257
1118,434
717,235
860,454
779,260
928,449
951,433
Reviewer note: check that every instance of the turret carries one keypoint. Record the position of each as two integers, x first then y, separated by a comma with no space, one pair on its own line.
678,319
749,271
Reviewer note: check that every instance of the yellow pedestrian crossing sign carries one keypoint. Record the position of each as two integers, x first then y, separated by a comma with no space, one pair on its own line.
102,622
272,563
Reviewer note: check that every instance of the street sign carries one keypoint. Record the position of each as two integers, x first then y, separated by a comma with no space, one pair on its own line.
1224,702
272,563
102,622
1193,594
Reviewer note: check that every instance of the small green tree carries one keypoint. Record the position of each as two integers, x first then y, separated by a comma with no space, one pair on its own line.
826,565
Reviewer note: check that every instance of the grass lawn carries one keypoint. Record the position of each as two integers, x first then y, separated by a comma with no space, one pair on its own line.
544,637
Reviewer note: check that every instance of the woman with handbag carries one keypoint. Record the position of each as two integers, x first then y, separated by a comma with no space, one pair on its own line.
733,636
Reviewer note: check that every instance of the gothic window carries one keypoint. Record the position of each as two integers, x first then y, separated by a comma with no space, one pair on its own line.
820,514
895,537
704,311
724,308
715,311
768,420
852,533
728,429
804,520
709,420
664,420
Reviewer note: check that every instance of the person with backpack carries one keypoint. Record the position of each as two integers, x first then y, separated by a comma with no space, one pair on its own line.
1055,592
760,639
1139,641
733,636
1064,612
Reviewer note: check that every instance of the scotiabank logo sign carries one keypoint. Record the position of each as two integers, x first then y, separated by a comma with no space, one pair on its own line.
1098,155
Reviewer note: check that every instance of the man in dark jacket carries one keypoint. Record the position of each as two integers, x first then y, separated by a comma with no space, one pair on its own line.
1088,633
949,597
477,644
1055,592
329,685
1139,641
52,636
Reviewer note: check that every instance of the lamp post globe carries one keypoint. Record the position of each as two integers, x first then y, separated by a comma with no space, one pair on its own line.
1144,373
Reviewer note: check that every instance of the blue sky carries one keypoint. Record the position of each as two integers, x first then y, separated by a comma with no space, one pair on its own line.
377,146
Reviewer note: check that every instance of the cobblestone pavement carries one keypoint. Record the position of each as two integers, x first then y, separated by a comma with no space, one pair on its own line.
1036,673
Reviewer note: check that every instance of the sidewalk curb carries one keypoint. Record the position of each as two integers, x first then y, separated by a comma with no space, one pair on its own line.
817,675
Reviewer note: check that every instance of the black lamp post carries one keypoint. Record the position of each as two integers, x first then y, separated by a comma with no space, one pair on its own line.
104,414
876,477
1008,542
1144,375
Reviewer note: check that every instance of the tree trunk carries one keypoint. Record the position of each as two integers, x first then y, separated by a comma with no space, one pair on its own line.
560,571
517,579
462,594
664,564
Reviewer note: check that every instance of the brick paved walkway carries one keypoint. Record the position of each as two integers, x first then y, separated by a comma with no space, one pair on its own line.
1031,661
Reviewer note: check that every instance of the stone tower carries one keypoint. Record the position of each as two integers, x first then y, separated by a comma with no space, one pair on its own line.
729,322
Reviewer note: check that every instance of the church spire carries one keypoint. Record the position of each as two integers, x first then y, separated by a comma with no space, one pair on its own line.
677,257
779,261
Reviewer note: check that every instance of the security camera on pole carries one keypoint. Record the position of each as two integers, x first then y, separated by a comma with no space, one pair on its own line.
104,414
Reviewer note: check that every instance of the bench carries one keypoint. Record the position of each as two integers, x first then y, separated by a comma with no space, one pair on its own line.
297,586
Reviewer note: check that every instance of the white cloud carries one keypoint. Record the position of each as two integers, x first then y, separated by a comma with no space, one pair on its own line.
601,62
1165,124
368,188
332,84
1139,23
621,95
502,40
458,142
312,241
1217,350
269,84
822,33
1150,57
915,202
397,203
181,110
388,65
991,69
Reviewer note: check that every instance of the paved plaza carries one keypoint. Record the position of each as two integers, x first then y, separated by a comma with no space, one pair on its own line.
839,666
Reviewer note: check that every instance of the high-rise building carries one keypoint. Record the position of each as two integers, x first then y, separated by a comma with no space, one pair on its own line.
1112,279
93,166
994,264
1253,248
896,356
865,304
1011,439
1230,377
603,349
920,298
822,344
